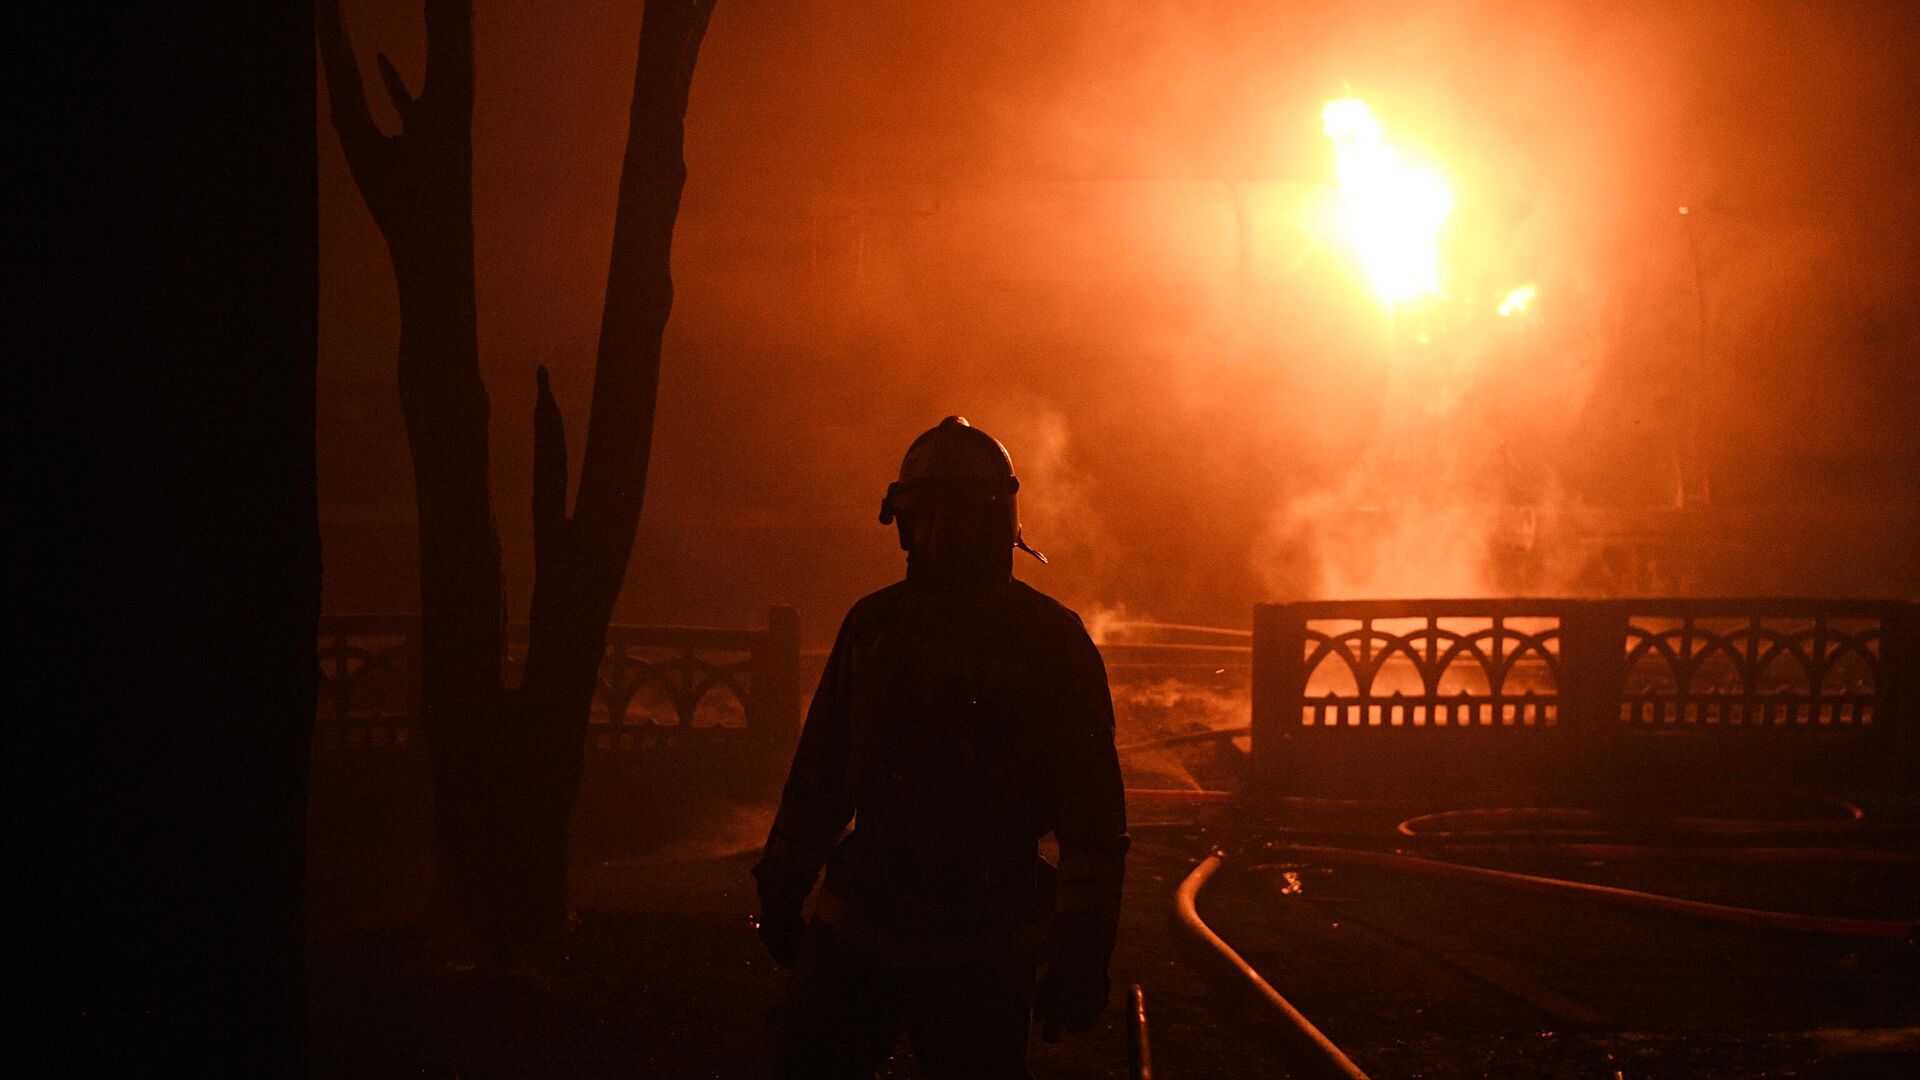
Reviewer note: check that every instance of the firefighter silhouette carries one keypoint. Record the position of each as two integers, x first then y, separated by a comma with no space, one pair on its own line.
962,716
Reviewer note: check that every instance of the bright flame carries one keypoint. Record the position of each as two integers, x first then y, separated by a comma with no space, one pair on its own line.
1392,211
1517,301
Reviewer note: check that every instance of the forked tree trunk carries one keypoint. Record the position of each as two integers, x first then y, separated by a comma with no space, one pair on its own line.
506,761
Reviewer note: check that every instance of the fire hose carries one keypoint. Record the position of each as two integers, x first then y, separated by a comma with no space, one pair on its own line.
1320,1056
1893,929
1577,821
1469,824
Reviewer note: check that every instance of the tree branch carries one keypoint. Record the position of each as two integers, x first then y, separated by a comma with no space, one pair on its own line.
549,472
639,294
360,138
396,89
578,580
419,187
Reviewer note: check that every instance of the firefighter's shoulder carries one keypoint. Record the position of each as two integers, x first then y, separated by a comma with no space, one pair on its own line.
1052,617
873,608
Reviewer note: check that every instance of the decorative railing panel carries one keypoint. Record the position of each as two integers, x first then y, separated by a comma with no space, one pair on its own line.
1482,669
369,683
658,685
1751,670
1366,688
683,719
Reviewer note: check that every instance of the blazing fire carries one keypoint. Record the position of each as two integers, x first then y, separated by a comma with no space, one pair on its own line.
1391,211
1517,301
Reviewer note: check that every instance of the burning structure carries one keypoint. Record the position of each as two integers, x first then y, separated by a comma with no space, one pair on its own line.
1150,279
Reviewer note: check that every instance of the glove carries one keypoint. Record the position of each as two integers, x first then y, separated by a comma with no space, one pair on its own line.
780,924
1074,987
781,934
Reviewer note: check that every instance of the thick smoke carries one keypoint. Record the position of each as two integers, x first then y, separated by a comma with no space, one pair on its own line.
1094,230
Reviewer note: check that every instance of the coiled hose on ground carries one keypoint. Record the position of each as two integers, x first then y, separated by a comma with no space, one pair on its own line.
1546,830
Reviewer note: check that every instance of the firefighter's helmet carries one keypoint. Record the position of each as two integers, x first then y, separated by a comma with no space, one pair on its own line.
955,460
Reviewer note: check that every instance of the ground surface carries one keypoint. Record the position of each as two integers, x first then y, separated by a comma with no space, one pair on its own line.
1414,978
665,978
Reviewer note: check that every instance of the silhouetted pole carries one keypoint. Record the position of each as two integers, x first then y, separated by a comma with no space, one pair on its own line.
1279,688
1139,1055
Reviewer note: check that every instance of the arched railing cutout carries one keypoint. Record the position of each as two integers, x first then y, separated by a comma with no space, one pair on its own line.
1458,669
658,686
1352,688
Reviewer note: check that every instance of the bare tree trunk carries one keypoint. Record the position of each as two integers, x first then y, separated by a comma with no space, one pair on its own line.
506,763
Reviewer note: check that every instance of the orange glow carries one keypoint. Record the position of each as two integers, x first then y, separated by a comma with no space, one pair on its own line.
1391,211
1517,301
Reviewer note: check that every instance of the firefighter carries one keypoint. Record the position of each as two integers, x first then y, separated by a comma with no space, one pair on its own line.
962,716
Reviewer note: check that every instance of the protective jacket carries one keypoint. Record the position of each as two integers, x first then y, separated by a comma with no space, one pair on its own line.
955,731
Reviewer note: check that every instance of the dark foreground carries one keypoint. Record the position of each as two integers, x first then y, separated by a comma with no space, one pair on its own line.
1412,977
664,978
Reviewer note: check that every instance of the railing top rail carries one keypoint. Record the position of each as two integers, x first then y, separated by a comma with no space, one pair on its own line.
625,635
1516,607
385,622
693,637
1530,607
1777,607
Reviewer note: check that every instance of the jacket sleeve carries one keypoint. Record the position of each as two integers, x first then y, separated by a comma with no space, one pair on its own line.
1089,798
816,803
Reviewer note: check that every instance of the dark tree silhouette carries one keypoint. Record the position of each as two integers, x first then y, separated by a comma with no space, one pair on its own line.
506,761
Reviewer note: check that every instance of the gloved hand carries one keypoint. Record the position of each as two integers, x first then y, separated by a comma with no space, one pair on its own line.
1074,987
781,933
780,924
